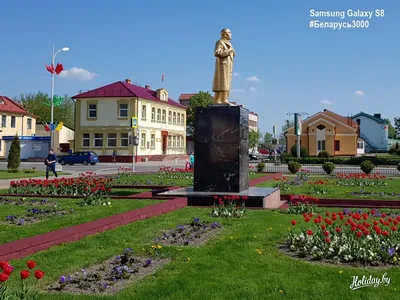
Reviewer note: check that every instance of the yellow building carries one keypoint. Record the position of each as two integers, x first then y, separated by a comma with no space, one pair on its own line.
327,131
103,122
14,120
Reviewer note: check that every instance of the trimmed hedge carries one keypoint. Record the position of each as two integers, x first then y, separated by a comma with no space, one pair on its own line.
356,160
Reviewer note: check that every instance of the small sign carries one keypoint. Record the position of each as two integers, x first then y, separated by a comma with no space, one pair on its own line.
134,122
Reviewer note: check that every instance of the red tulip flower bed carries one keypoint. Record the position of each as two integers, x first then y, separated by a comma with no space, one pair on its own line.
301,204
85,184
360,179
25,292
349,237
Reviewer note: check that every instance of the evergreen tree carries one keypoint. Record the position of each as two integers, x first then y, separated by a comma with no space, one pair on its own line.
14,156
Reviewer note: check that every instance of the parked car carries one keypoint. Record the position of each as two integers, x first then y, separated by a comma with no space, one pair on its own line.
253,156
81,157
263,151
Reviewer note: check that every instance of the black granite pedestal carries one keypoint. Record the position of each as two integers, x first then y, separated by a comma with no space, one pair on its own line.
221,149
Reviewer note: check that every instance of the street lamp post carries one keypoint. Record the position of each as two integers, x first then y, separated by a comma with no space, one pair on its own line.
52,94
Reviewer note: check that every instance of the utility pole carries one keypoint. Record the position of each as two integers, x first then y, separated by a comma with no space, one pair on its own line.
297,128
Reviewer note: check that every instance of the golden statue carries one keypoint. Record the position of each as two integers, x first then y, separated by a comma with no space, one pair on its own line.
224,54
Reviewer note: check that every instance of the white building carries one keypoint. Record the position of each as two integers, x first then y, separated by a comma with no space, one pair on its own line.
103,122
374,131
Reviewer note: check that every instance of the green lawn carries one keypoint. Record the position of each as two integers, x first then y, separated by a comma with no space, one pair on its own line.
127,192
156,179
389,192
6,175
228,267
82,214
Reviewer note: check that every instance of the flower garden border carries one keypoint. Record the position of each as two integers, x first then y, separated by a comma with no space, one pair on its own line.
339,202
27,246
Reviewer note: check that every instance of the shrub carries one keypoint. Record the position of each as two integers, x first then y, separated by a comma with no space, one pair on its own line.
328,167
303,151
14,156
260,167
284,157
398,167
294,167
367,166
12,171
323,154
28,171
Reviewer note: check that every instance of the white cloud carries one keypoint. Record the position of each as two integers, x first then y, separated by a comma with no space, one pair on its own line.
326,102
252,89
253,78
236,74
78,73
238,90
359,93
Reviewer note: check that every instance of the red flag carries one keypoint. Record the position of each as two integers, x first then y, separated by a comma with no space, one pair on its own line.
162,78
50,68
59,68
384,128
46,127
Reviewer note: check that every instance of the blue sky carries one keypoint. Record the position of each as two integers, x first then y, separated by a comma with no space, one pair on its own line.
283,65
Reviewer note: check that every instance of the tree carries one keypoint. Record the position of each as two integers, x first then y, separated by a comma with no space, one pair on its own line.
267,140
14,156
35,103
254,138
285,127
397,126
391,130
201,99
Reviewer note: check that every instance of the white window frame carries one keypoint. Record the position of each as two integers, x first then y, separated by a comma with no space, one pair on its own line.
15,122
169,142
173,141
123,137
29,123
85,139
144,111
164,115
143,140
182,119
174,118
169,116
159,115
4,121
178,118
123,109
153,114
111,139
153,141
98,139
91,110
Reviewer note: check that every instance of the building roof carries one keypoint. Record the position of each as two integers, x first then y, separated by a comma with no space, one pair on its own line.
186,96
125,89
10,106
347,120
363,114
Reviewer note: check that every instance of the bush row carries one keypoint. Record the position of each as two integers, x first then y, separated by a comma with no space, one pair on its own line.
356,160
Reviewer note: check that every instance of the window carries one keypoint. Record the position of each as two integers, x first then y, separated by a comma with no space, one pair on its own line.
321,145
123,110
174,118
174,141
4,121
358,121
144,112
92,110
321,127
29,123
98,140
153,114
170,117
182,142
13,122
360,145
158,115
86,140
124,140
164,115
182,119
111,139
163,96
153,141
143,140
169,142
178,118
337,145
